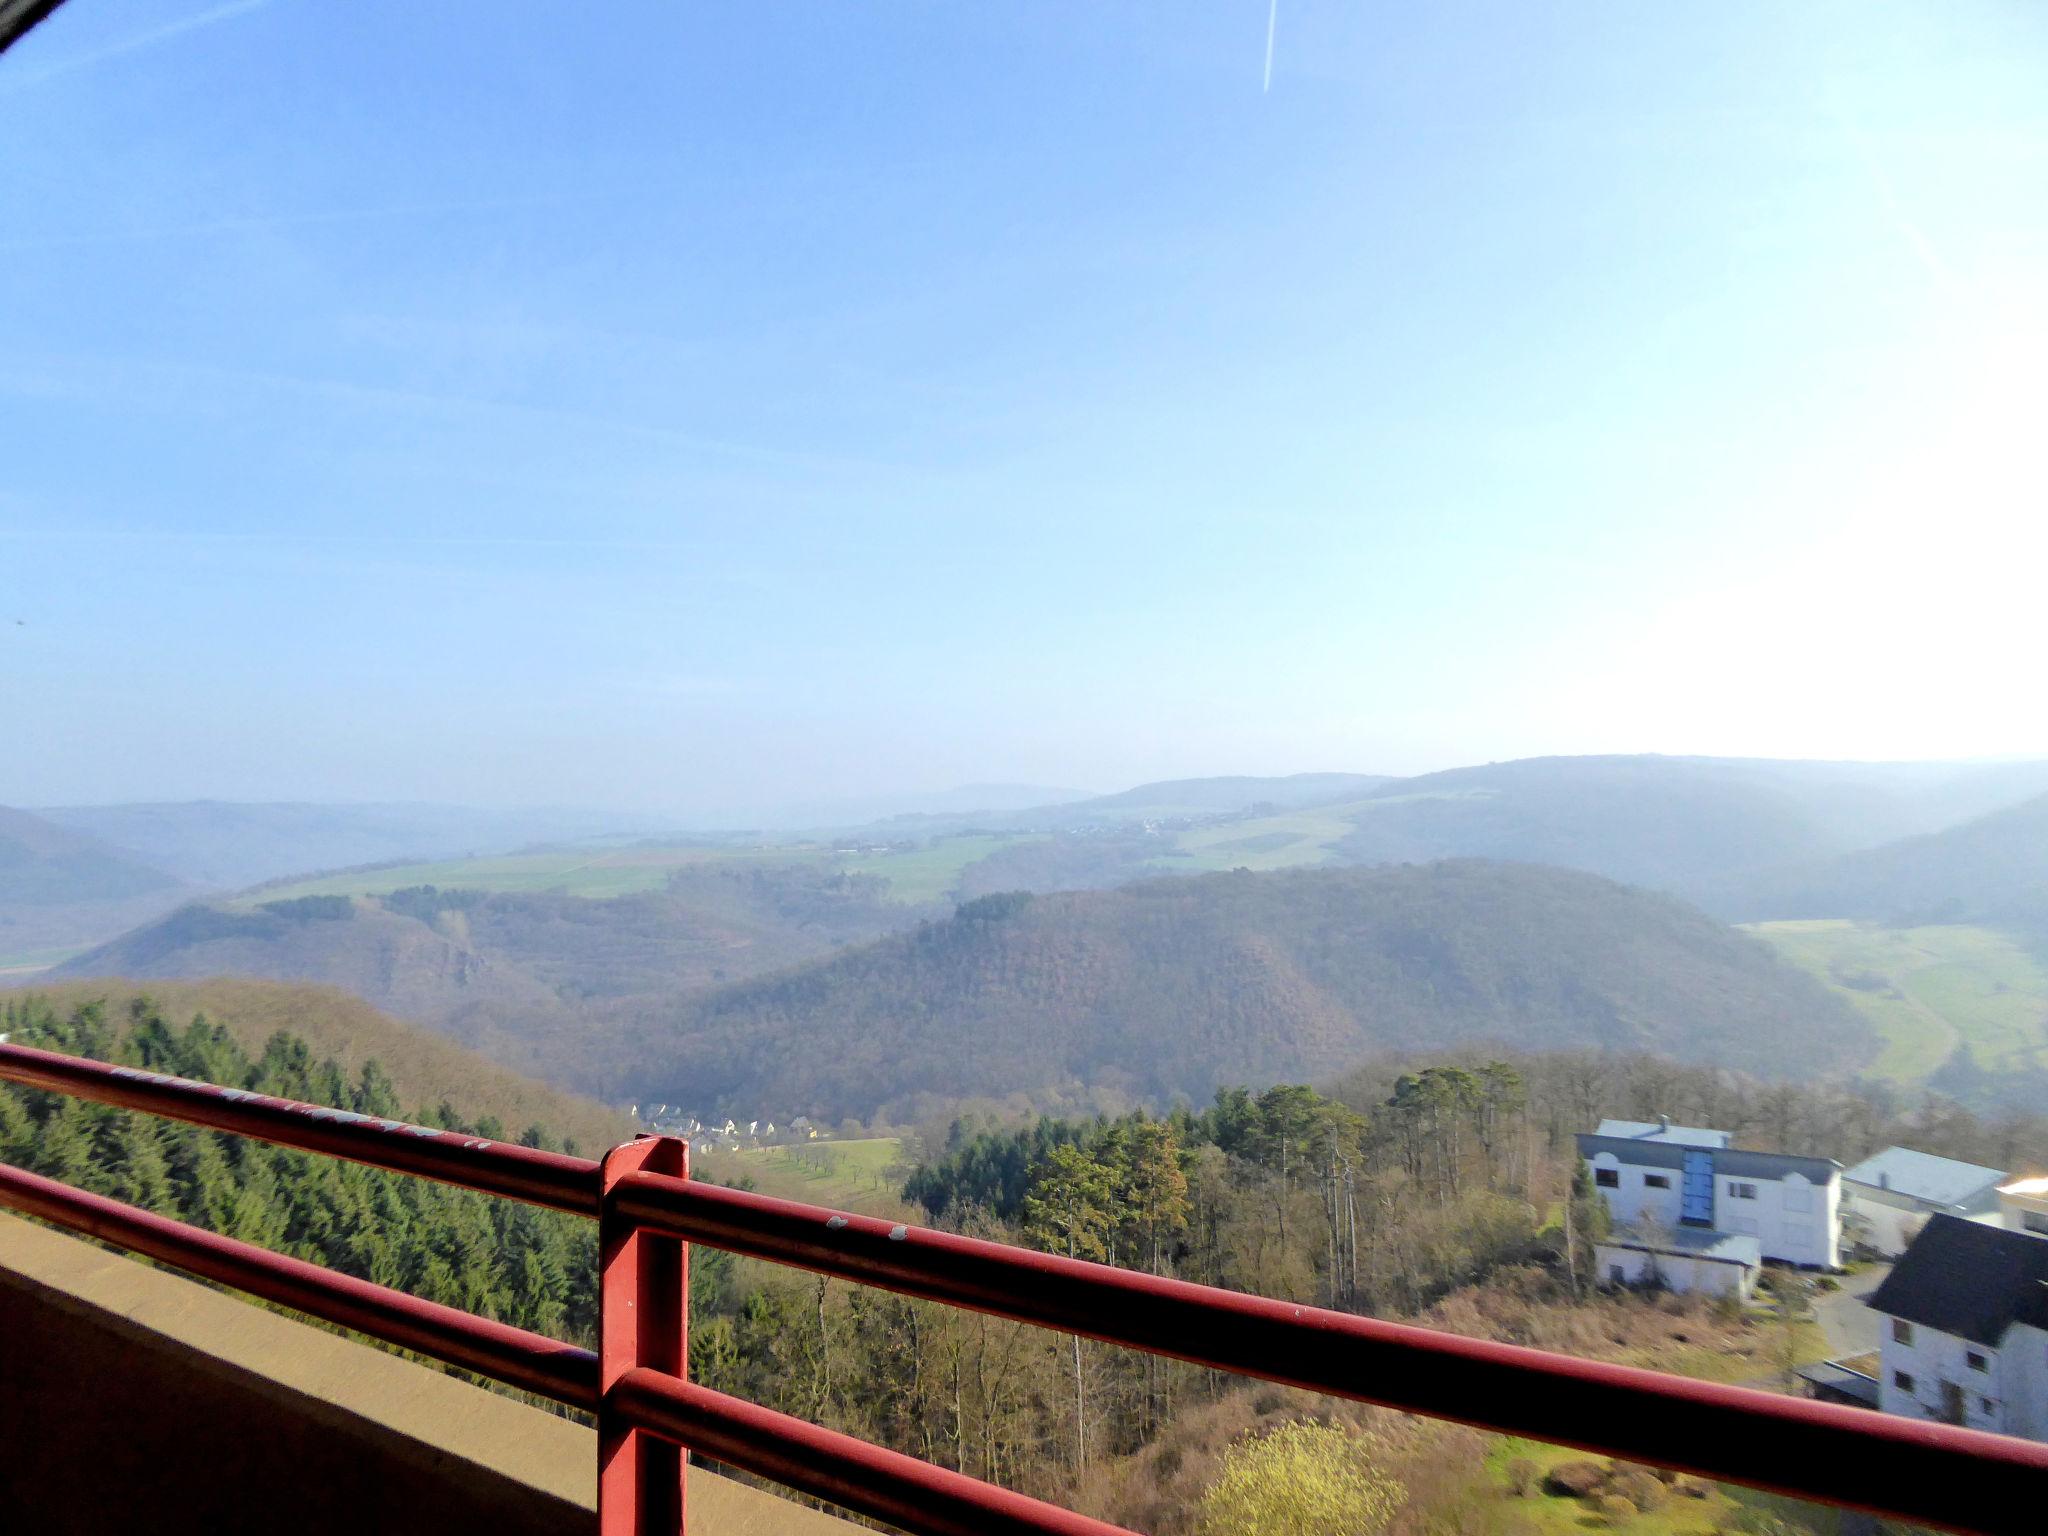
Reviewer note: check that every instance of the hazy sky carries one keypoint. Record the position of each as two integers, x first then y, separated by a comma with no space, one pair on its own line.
690,406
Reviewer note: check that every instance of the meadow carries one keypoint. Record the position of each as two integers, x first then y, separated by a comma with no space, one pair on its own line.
1928,989
916,875
863,1175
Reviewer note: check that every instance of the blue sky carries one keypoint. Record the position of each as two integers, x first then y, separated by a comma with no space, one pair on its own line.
697,407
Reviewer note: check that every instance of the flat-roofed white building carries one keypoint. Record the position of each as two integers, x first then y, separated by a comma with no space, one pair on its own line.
1681,1259
1659,1178
1888,1197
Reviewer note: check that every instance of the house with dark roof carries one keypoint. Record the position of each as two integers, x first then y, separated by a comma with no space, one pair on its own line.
1966,1339
1888,1197
1659,1180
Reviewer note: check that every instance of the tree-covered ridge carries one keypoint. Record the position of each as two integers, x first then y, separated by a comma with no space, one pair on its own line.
1172,987
424,1067
497,1258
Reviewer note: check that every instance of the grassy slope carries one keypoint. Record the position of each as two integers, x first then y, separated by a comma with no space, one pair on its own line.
857,1175
915,876
1928,989
425,1068
1284,841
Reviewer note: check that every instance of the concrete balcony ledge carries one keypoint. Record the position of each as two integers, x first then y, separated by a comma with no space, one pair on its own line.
133,1399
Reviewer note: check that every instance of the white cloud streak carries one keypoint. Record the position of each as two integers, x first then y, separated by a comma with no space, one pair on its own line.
136,43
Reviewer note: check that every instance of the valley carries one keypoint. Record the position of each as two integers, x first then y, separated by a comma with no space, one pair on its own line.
1931,991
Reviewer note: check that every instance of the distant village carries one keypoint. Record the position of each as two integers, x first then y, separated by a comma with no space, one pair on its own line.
1961,1316
725,1134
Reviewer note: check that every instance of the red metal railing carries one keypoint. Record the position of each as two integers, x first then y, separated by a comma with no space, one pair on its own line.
649,1211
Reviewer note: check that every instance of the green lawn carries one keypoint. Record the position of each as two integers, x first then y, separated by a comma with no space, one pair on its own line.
850,1175
1542,1514
1554,1516
1928,989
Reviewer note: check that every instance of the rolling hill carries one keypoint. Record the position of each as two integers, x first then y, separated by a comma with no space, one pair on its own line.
529,979
1174,986
226,845
423,1067
60,889
1993,869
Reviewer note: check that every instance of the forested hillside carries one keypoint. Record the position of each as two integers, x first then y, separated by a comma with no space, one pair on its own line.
535,981
423,1067
507,1260
1174,986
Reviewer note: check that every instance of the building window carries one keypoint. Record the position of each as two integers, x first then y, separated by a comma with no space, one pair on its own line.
1656,1181
1902,1381
1902,1331
1617,1274
1741,1191
1977,1362
2034,1221
1607,1178
1986,1405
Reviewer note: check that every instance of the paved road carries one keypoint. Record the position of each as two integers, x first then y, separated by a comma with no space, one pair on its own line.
1852,1328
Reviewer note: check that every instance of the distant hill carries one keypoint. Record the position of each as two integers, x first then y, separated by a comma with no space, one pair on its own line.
61,889
1993,869
526,978
43,863
1686,825
226,845
1173,986
1182,797
424,1068
1673,823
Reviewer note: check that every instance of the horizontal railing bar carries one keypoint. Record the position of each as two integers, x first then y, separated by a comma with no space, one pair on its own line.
1935,1474
529,1361
885,1485
499,1168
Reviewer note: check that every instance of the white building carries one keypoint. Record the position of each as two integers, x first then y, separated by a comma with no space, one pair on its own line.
1659,1179
2023,1206
1967,1336
1888,1197
1682,1259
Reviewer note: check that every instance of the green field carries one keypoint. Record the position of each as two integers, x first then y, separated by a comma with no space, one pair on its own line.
928,873
915,875
1929,989
1268,842
853,1175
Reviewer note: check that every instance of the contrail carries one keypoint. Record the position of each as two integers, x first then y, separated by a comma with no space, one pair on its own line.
149,39
1272,20
1916,239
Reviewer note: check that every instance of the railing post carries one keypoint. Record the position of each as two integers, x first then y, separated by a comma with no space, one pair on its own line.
643,1318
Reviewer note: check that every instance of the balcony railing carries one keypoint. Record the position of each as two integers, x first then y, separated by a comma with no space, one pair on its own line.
648,1414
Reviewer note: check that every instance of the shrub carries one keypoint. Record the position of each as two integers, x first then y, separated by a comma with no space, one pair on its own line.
1639,1488
1522,1477
1300,1480
1575,1479
1615,1507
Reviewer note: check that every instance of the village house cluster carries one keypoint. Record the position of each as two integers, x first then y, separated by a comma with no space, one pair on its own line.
725,1134
1963,1313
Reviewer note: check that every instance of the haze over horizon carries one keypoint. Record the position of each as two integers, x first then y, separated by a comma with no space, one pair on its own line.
689,412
